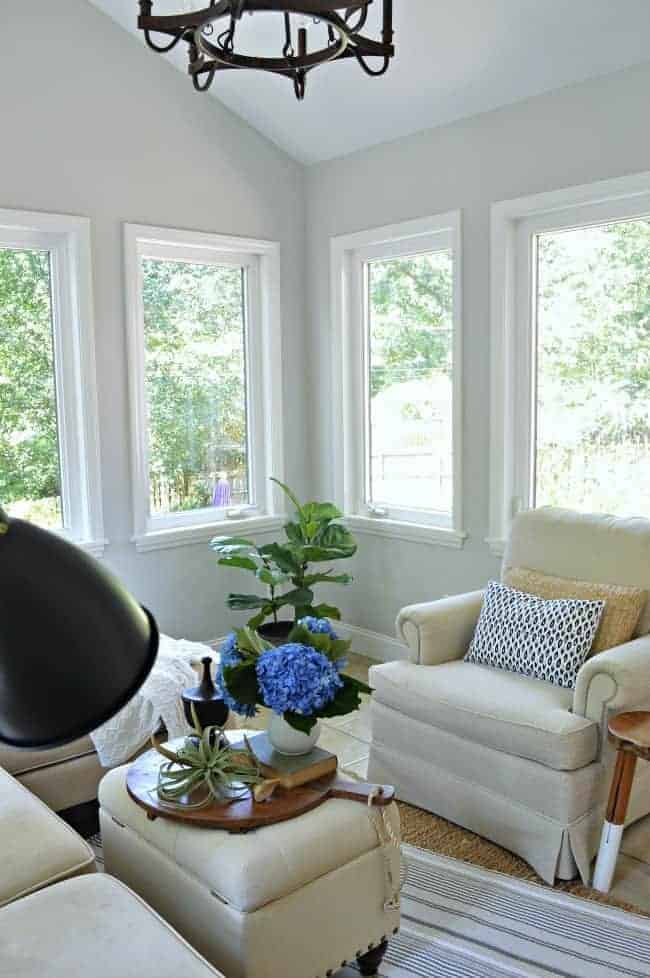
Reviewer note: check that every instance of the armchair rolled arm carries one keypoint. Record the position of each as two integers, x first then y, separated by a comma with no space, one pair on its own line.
439,631
617,679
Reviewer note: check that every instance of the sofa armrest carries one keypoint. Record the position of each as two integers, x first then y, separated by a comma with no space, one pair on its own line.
617,679
439,631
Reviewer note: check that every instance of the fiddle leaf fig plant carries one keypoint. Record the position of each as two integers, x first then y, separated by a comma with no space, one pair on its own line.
312,537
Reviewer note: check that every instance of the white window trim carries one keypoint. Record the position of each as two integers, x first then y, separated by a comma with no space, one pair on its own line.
512,221
69,242
410,237
262,259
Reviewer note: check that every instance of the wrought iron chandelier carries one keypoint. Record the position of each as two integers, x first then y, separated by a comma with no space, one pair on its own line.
210,52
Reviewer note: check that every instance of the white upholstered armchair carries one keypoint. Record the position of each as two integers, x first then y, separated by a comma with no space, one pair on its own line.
516,760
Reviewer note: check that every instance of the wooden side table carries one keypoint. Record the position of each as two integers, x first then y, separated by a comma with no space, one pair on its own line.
630,734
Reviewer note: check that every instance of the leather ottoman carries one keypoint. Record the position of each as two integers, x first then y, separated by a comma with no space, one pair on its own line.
292,900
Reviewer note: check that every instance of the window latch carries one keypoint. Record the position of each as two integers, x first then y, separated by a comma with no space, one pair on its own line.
241,513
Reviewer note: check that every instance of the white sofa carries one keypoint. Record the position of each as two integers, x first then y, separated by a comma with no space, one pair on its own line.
61,919
61,776
518,761
37,847
92,927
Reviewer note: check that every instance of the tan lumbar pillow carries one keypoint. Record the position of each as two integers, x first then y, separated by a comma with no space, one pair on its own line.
623,604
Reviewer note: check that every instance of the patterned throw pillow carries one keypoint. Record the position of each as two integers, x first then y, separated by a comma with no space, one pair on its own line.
623,604
546,640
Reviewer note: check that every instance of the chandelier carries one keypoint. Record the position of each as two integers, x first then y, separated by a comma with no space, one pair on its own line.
212,41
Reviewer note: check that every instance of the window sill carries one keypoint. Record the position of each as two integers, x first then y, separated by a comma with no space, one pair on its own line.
496,545
413,532
184,536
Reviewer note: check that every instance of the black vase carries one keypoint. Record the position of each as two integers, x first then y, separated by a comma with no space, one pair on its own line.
206,700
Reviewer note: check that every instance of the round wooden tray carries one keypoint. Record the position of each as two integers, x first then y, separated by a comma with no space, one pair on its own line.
244,814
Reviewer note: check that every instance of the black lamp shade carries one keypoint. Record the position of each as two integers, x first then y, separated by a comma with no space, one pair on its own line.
75,646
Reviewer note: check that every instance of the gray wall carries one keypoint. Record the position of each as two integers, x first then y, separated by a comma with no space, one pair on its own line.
576,135
94,125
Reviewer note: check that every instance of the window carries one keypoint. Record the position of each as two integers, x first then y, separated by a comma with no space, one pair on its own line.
205,360
396,298
592,360
195,384
49,469
409,400
575,423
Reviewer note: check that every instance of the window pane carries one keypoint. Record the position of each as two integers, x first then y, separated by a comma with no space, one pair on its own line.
593,368
194,319
410,366
30,483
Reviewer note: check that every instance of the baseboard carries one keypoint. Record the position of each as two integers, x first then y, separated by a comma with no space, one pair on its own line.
382,648
375,645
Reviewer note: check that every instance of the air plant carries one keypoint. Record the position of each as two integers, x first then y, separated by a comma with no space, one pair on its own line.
206,761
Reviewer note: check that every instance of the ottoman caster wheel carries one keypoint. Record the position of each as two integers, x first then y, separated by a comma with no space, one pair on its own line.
370,961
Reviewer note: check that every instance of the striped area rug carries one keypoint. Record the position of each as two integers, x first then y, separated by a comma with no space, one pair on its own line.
97,846
461,921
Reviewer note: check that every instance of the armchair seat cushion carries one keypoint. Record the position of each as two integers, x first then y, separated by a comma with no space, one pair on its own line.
502,710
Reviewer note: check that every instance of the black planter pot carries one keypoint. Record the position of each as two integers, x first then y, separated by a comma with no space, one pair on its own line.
276,632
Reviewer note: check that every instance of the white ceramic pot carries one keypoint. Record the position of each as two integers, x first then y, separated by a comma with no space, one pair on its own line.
286,740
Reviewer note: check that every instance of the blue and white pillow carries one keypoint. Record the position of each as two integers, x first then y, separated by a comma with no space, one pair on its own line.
545,639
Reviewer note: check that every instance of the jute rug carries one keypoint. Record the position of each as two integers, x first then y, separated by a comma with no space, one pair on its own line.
462,921
434,834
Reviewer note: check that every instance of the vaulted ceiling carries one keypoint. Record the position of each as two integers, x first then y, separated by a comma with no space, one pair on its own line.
454,58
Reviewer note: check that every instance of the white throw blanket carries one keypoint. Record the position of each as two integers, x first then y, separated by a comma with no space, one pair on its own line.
157,699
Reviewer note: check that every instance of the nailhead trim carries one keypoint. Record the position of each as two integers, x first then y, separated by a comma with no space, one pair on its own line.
373,944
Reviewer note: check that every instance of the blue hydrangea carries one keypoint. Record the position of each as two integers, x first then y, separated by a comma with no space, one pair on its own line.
318,626
231,656
298,678
321,626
